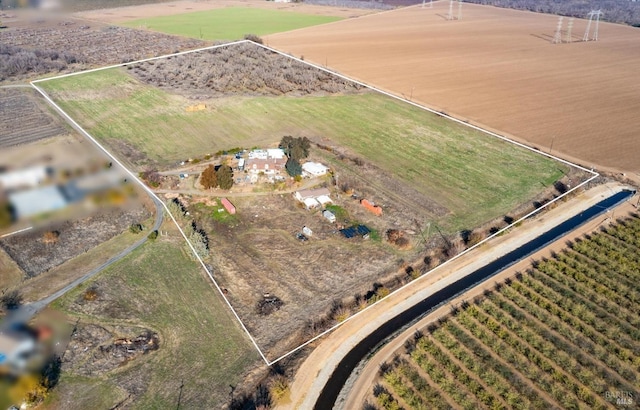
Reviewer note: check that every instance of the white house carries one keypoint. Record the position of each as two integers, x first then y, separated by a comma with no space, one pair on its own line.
324,199
37,201
28,177
314,169
276,153
272,153
310,203
14,350
268,166
312,198
311,193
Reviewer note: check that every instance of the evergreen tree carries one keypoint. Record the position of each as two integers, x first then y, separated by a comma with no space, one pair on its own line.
225,177
293,167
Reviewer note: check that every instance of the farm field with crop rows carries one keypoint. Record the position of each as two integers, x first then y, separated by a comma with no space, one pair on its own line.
498,68
563,334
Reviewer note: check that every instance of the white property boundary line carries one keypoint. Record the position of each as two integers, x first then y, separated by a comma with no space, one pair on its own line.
155,197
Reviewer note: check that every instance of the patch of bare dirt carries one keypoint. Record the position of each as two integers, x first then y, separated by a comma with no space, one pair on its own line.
239,69
94,350
36,253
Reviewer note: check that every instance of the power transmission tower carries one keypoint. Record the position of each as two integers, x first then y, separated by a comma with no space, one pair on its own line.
450,16
459,9
569,27
595,34
596,14
557,38
430,3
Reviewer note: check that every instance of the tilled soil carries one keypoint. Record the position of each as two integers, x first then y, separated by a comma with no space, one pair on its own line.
23,121
497,68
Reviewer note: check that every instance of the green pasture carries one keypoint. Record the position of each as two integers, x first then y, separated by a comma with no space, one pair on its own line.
476,176
202,345
230,23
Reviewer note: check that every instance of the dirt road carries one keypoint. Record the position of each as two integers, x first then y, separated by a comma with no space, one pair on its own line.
316,370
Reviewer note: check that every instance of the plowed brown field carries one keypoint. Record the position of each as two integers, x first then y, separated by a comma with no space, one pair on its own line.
497,68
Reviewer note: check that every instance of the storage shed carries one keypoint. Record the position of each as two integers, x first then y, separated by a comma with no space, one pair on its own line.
228,206
329,216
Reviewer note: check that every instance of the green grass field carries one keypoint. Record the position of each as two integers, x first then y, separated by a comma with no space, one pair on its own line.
230,23
476,176
160,288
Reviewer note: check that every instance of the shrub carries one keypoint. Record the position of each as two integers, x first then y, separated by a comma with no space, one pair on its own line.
253,37
279,387
153,235
475,238
11,299
91,294
50,237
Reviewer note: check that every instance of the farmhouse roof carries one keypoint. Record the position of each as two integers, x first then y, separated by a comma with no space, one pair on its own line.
314,168
324,199
28,177
269,163
313,193
310,202
37,201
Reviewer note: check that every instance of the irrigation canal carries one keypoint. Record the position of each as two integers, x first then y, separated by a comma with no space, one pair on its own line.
332,389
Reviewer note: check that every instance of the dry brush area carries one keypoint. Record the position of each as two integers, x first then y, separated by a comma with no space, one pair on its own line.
32,47
563,334
241,69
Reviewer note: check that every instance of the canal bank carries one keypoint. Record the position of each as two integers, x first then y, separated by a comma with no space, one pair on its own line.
361,380
329,352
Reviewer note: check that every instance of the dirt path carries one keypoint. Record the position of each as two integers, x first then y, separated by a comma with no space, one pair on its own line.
316,370
308,183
